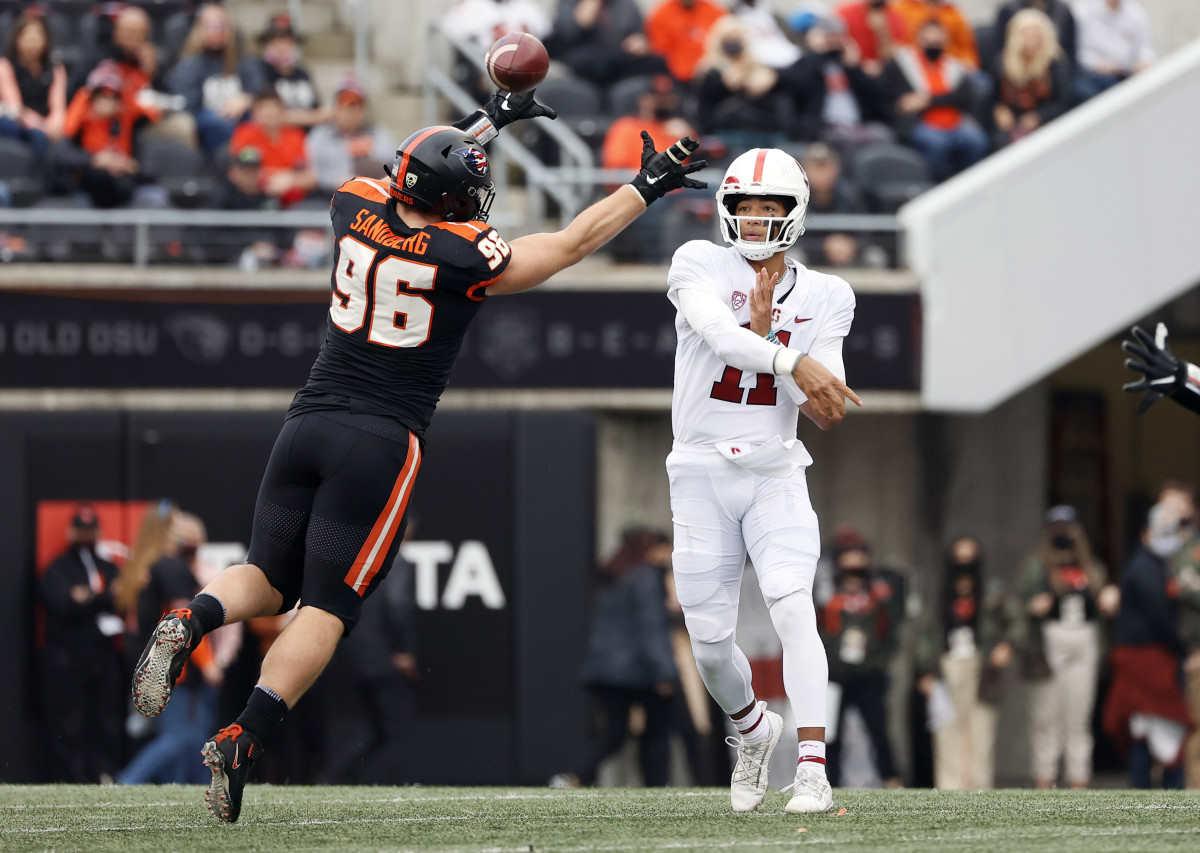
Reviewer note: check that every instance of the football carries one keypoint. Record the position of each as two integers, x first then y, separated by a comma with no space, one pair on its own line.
517,62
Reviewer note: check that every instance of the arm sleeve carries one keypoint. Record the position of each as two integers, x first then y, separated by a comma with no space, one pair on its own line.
715,323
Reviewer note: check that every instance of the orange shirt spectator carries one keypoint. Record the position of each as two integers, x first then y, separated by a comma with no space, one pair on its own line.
678,29
960,35
875,27
285,170
101,117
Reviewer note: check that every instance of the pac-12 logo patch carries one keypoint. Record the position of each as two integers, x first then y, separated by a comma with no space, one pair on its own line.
738,299
473,159
409,180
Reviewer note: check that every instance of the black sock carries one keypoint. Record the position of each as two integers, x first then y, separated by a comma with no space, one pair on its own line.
208,613
263,714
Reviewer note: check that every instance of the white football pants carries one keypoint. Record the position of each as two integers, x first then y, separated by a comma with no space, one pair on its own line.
723,512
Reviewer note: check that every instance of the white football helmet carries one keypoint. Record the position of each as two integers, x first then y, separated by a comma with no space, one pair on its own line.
763,172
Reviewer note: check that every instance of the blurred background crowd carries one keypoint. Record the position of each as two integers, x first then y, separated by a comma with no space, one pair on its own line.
168,104
1111,660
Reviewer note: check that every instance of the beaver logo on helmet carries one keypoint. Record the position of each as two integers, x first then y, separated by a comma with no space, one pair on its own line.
445,171
474,159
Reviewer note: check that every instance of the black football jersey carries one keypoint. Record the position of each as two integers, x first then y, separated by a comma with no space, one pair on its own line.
402,300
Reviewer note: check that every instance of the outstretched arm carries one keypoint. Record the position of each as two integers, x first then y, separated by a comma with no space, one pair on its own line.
1163,375
536,257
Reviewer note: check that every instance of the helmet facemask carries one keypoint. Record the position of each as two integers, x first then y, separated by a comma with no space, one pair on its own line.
763,173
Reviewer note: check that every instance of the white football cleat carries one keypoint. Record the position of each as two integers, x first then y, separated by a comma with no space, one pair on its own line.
748,786
811,793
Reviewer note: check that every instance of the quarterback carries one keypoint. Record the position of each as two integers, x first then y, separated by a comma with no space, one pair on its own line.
759,341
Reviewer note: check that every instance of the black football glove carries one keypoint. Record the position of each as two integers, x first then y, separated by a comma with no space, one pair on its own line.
663,171
500,111
504,108
1163,374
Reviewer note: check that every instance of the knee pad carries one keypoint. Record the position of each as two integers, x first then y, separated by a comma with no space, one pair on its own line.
794,614
709,622
712,655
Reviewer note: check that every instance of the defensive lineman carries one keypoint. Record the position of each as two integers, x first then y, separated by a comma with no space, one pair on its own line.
760,338
415,260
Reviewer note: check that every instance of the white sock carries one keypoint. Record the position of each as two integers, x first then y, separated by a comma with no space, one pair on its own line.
812,753
754,727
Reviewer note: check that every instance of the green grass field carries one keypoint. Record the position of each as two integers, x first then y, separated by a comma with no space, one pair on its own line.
170,818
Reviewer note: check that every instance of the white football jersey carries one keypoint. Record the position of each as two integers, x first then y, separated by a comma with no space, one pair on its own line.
714,402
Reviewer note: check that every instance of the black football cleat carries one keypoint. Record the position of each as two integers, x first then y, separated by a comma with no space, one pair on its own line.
229,754
162,661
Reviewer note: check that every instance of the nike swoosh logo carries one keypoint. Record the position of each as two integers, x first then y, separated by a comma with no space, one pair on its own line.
504,104
653,180
236,749
805,320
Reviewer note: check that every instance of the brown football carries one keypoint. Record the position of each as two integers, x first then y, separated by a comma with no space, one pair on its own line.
517,62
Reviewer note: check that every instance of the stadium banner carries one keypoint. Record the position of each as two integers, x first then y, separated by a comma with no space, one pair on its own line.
554,339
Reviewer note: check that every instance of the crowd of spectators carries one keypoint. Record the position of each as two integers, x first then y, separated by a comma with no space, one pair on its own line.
168,104
1061,626
159,104
97,616
858,75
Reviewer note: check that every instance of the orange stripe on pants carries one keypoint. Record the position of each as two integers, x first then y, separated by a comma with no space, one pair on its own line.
370,557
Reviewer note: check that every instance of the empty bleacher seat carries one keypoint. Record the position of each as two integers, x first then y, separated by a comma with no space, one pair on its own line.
890,175
178,169
19,173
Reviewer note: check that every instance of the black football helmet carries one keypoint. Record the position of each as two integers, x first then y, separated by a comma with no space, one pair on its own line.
445,170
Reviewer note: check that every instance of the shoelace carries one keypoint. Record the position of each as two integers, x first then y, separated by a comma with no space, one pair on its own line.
741,771
808,783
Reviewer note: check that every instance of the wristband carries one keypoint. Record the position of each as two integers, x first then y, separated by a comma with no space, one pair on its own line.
481,128
786,360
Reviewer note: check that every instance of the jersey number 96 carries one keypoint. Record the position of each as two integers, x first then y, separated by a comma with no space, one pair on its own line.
399,318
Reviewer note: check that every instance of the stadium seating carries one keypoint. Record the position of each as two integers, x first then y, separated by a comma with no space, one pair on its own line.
890,175
19,173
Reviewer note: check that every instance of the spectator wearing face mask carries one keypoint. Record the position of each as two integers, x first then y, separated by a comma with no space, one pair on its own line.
742,100
930,96
858,628
961,657
960,41
1146,712
1063,587
835,100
